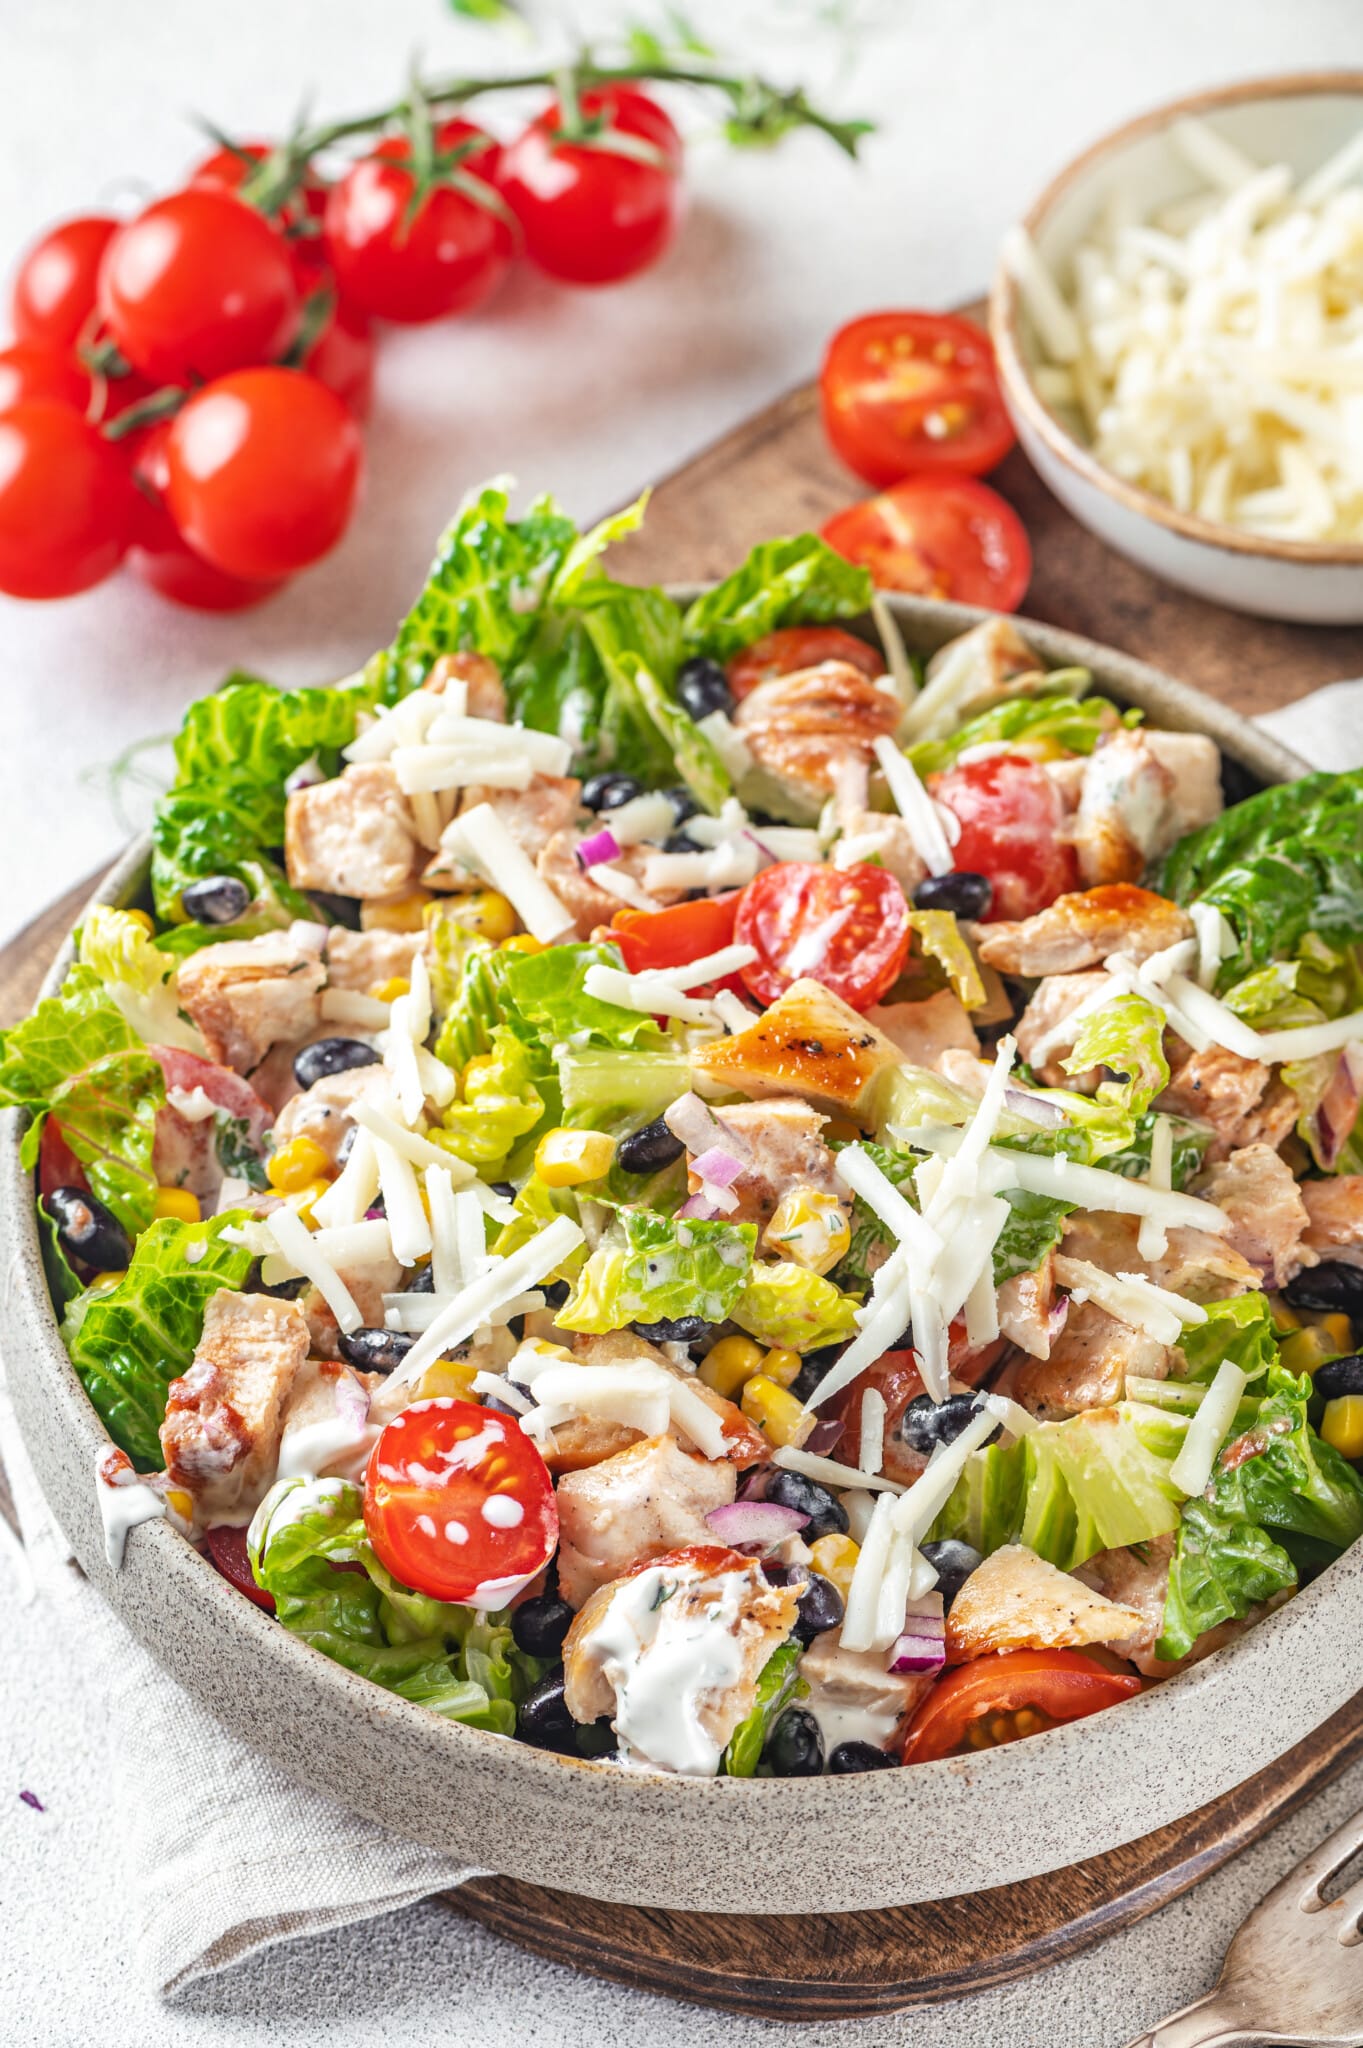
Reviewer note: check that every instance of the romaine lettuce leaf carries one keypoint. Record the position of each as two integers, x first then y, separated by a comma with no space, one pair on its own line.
1240,1329
785,1305
129,1341
650,1268
1126,1035
1064,724
779,1685
500,1104
545,998
78,1059
1032,1229
1282,1476
137,975
1221,1568
795,581
605,1088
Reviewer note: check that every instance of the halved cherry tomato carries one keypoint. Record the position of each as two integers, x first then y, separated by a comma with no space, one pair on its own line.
904,392
938,535
227,1551
675,937
895,1376
591,214
847,927
1010,814
1061,1684
58,1166
184,1150
459,1503
791,648
29,369
54,288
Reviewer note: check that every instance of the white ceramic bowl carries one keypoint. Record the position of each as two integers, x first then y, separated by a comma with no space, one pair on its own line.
1299,121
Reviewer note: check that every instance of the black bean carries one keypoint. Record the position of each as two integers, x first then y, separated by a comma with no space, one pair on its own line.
684,804
676,1330
1329,1286
703,687
87,1231
504,1187
821,1608
953,1562
794,1748
215,899
827,1515
966,894
814,1367
595,1738
543,1717
344,910
422,1281
331,1056
540,1625
1341,1376
858,1756
283,1290
555,1292
682,842
648,1150
926,1423
608,792
375,1350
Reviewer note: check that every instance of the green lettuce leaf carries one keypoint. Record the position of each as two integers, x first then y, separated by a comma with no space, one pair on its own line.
1070,724
129,1341
1240,1329
796,581
652,1268
1033,1228
606,1088
545,998
779,1685
501,1104
785,1305
78,1059
137,975
1221,1568
1126,1034
1281,1475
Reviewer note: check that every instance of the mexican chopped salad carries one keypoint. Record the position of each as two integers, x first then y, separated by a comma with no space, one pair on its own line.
665,1181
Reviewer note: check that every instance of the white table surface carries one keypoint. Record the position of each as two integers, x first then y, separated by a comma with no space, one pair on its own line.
589,395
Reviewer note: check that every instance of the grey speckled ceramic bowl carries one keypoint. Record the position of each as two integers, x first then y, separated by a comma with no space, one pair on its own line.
820,1845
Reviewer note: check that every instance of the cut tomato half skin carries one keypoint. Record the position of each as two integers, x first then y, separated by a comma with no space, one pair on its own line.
906,392
1063,1684
846,927
1011,818
939,535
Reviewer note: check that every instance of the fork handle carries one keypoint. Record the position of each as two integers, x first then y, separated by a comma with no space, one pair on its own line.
1207,2023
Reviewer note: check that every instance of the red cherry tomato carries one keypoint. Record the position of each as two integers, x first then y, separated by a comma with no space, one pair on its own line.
791,648
58,1166
196,285
459,1503
905,392
66,505
847,927
675,937
1011,816
939,536
54,287
226,1090
591,216
227,1550
30,370
342,358
447,257
162,558
263,471
1063,1684
895,1376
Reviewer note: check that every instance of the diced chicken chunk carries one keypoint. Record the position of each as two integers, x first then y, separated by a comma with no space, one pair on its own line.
326,1422
1081,929
324,1112
587,1440
1197,1264
801,728
1139,1580
1016,1601
588,904
924,1031
1194,761
1141,792
366,960
809,1043
220,1436
482,680
643,1501
1088,1364
1334,1210
533,817
249,994
1241,1099
1024,1307
780,1142
352,836
853,1697
1259,1193
1044,1032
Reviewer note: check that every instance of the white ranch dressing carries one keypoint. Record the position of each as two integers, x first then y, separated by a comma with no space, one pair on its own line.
124,1501
660,1659
853,1723
309,1448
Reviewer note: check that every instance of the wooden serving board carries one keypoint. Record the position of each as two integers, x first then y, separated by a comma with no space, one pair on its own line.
774,474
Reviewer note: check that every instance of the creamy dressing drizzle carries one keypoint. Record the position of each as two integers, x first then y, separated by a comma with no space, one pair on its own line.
660,1659
853,1724
124,1501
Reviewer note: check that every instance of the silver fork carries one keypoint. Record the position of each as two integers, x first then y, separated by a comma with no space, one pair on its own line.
1294,1971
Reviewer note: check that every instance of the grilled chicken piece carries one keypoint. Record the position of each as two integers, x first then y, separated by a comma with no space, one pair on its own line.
924,1031
1140,1581
589,904
1334,1210
1024,1307
249,994
1194,761
588,1440
800,728
853,1697
1016,1601
324,1111
880,836
1088,1364
1081,929
326,1427
1240,1099
635,1505
367,960
719,1611
482,679
781,1144
352,836
1041,1040
533,816
1194,1263
1257,1190
220,1436
1139,794
809,1043
367,1286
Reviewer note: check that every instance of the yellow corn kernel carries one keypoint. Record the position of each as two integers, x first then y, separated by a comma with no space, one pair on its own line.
448,1379
302,1199
397,914
1284,1316
1339,1330
486,912
110,1279
729,1363
1307,1350
182,1502
780,1417
781,1366
835,1558
389,991
177,1203
295,1164
145,919
522,942
1342,1425
810,1228
564,1159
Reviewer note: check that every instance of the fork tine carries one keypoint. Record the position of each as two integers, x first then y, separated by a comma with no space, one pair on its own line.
1302,1886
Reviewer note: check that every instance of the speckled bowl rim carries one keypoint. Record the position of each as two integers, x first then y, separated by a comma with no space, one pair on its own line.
765,1846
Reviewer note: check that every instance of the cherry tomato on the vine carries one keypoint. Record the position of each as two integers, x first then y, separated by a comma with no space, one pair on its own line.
590,214
410,266
342,358
1010,815
228,170
54,287
791,648
29,369
263,469
196,285
913,391
162,558
847,927
939,535
66,505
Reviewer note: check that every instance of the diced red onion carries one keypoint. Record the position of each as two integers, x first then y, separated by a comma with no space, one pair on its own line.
760,1523
304,776
1034,1109
698,1208
718,1167
1056,1316
719,1198
765,851
922,1646
824,1438
602,845
689,1119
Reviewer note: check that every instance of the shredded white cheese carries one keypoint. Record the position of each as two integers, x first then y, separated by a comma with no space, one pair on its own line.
871,1455
353,1191
1129,1297
475,1303
298,1245
926,825
1192,1468
481,839
830,1472
651,994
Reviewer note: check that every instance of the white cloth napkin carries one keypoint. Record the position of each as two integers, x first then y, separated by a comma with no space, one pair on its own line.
224,1854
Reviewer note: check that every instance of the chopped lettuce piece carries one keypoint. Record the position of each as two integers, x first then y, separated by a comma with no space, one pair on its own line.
1220,1569
253,730
779,1685
604,1087
1065,723
793,1309
650,1268
1133,1160
546,998
137,975
939,937
500,1104
1126,1035
1240,1329
1281,1475
129,1341
1035,1226
795,581
536,1207
78,1059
